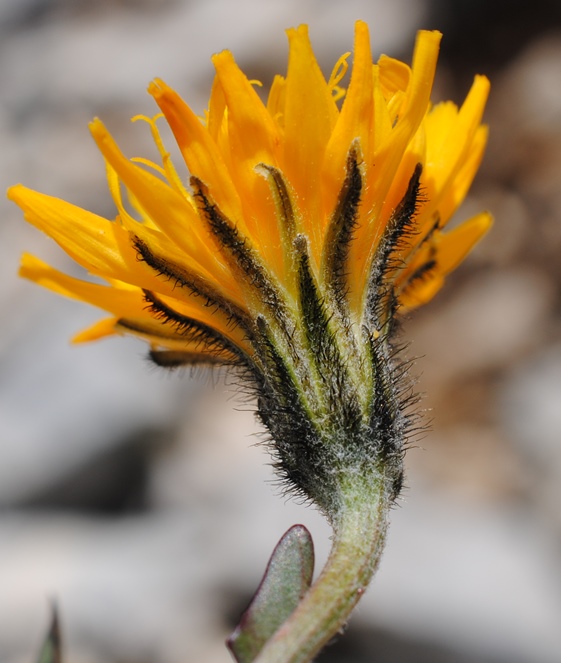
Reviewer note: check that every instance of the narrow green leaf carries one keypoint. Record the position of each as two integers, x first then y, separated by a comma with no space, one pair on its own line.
287,578
51,649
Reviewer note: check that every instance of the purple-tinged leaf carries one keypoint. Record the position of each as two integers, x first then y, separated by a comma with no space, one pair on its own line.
287,578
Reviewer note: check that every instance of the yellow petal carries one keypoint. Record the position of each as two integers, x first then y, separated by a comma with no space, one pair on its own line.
457,189
216,109
97,244
394,76
220,278
450,134
252,139
200,151
277,100
127,302
253,134
448,250
100,329
384,190
453,246
354,121
121,302
174,215
309,117
421,294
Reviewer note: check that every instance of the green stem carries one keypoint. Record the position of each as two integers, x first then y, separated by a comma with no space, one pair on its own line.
359,535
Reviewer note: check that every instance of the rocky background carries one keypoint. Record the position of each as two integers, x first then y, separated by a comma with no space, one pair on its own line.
139,500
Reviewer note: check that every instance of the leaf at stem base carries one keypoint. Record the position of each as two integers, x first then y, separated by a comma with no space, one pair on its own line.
287,578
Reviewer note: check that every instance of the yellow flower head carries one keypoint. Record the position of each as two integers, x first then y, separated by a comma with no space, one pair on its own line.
308,223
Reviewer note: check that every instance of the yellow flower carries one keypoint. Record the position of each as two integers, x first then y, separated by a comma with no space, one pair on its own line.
308,223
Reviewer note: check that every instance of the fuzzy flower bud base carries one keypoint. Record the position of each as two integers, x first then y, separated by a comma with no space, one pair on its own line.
329,391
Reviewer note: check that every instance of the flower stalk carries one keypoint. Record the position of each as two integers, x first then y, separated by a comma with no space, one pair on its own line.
359,532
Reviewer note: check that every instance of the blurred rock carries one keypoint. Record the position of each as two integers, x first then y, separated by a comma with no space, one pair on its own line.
531,413
122,587
62,407
525,148
485,324
483,579
500,30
